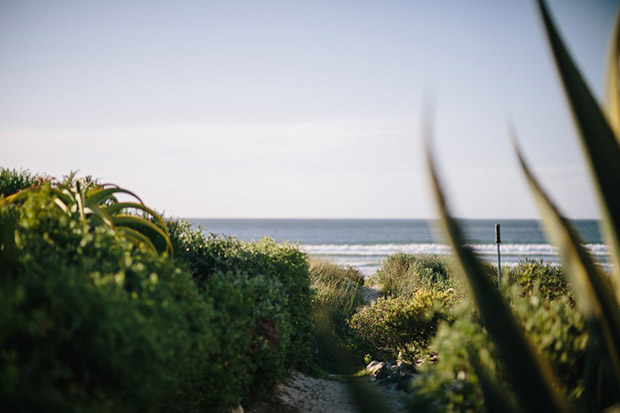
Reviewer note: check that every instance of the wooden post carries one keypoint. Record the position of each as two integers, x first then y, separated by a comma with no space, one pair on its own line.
498,240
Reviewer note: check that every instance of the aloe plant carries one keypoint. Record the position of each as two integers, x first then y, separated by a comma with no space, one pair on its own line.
596,291
97,203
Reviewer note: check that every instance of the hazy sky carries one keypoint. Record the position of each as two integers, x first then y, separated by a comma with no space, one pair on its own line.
298,108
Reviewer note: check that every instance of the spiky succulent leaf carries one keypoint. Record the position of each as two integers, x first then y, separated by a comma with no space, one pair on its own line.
140,224
100,195
120,206
532,378
593,289
597,138
99,214
612,95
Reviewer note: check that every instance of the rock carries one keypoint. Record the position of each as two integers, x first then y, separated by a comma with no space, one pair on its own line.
383,372
374,366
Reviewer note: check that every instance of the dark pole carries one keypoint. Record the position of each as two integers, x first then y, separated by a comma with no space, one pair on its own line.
498,240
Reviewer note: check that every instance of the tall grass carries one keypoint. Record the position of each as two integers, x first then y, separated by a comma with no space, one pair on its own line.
336,288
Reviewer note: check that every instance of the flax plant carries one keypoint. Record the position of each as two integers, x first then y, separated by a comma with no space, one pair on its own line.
596,291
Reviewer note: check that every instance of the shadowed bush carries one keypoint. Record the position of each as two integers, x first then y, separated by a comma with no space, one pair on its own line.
90,321
338,293
273,280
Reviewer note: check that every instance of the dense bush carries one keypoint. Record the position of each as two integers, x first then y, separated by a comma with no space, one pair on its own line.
91,321
13,180
402,327
532,275
450,384
276,282
554,327
402,274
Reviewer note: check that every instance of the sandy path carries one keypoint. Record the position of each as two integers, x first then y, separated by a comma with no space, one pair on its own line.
308,394
302,393
371,293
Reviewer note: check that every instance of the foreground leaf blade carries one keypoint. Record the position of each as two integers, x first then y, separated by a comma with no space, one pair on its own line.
533,381
612,94
592,288
597,138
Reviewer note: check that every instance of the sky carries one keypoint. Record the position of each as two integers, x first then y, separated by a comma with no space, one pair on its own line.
299,109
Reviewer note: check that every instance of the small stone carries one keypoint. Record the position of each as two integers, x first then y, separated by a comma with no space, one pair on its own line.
382,372
374,366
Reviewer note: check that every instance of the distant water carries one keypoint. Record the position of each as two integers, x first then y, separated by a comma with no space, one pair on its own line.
364,243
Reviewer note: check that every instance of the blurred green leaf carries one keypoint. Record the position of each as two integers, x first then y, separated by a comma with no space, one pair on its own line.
593,289
598,140
531,376
612,96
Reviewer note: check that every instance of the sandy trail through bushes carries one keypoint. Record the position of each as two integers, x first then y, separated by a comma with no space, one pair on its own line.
302,393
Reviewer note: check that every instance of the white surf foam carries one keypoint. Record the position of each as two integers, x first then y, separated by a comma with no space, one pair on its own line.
441,249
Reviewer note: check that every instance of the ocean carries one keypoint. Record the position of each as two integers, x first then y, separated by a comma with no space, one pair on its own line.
364,243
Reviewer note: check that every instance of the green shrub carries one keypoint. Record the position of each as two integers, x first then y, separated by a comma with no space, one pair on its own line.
402,327
450,384
13,180
90,321
253,334
87,200
402,274
554,327
532,275
273,280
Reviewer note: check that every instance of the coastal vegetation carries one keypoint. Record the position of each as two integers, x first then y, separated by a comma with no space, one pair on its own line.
95,319
585,375
106,305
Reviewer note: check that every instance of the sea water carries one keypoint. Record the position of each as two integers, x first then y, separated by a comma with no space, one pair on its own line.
364,243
